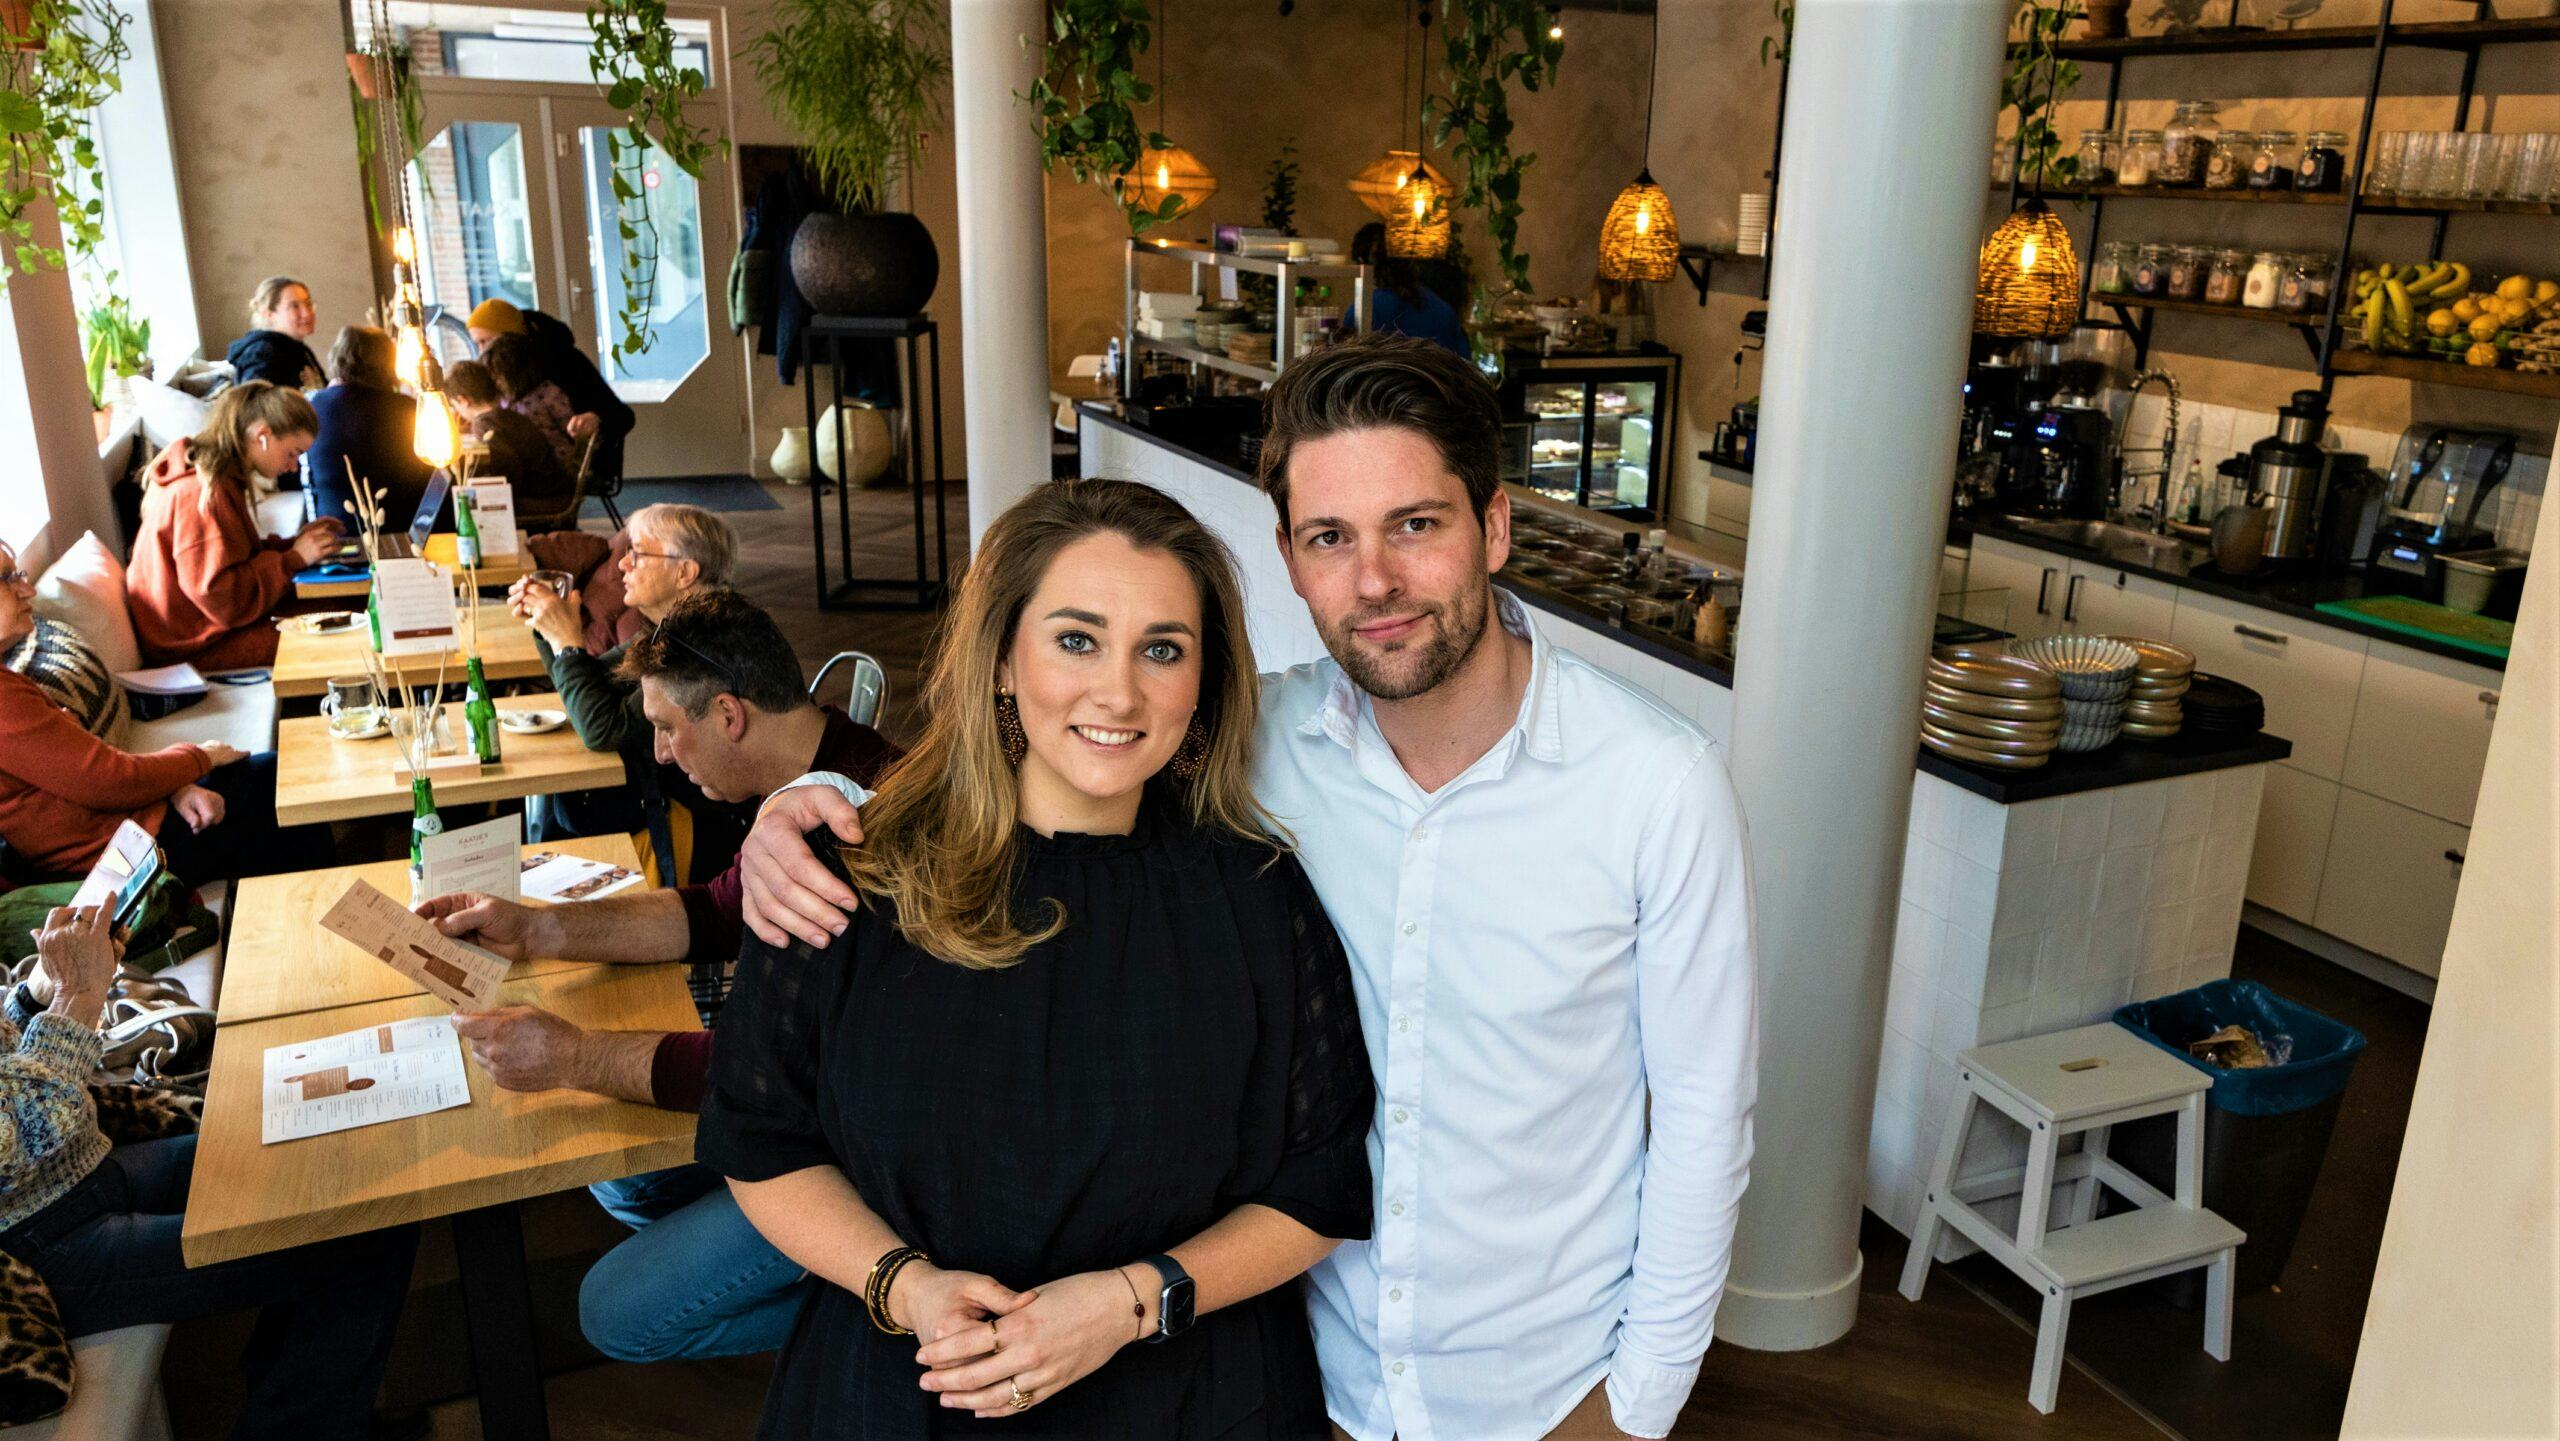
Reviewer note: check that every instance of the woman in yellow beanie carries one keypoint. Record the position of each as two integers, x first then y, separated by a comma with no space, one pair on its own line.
598,411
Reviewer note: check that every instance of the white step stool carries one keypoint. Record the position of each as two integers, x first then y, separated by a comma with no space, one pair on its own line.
2081,1082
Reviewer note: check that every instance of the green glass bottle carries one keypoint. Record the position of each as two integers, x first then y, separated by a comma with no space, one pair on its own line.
423,822
373,616
480,712
466,530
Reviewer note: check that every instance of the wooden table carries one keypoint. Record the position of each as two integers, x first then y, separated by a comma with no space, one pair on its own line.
281,963
494,572
322,778
473,1163
305,664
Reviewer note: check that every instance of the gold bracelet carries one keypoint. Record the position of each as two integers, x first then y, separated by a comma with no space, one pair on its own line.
1137,1303
875,1289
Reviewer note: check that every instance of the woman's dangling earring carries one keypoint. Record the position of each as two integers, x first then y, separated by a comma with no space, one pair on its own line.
1009,728
1194,751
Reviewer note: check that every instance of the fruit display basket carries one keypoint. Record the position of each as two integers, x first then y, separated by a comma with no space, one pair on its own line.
2442,311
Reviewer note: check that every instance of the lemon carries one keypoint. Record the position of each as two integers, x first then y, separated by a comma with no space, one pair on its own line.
2466,310
2484,328
2441,322
2515,287
2546,291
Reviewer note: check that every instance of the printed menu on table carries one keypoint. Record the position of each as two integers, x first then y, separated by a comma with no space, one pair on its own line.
493,511
362,1078
478,858
550,876
459,974
416,601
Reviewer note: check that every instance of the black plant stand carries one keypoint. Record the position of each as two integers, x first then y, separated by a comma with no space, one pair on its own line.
917,386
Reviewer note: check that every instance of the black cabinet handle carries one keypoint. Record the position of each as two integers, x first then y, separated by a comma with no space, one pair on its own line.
2042,586
2454,856
2071,599
2253,633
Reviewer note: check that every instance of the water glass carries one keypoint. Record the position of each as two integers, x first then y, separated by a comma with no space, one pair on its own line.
2382,173
2488,165
559,582
404,730
2437,164
2537,172
351,706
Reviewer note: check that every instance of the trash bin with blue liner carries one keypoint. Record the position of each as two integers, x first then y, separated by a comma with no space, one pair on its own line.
2266,1129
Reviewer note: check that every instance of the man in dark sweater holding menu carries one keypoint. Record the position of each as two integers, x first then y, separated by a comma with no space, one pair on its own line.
723,695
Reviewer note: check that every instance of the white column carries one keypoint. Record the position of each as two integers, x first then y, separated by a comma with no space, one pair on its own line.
1004,251
1888,126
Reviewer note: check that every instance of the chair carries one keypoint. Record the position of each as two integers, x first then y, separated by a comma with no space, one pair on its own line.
116,1394
869,694
600,476
564,516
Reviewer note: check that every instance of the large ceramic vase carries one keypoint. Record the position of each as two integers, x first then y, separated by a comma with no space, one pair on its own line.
791,455
880,265
870,443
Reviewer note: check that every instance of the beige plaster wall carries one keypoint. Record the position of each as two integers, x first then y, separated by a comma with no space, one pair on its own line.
266,150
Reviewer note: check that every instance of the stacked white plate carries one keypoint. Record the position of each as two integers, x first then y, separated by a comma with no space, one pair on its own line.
2097,675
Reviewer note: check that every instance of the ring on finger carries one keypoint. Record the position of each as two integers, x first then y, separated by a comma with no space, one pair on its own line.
995,1339
1021,1399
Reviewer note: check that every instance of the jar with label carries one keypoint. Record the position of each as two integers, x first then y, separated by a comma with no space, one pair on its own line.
2187,265
2113,272
2223,281
2264,286
2151,270
2307,289
2004,160
2271,168
2226,165
2097,157
2323,165
2187,144
2138,158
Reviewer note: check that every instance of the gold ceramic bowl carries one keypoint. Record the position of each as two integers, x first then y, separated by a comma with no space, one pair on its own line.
2025,746
1989,727
2141,730
2165,713
2016,708
2006,676
2160,690
2158,658
1996,760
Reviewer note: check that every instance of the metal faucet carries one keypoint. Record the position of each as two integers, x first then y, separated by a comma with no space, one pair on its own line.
2168,449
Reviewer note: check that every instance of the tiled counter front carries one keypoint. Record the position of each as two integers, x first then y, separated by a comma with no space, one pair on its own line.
2017,918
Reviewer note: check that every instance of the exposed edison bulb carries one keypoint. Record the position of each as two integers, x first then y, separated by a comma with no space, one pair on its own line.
1644,220
1556,31
1164,175
436,439
1421,204
2027,256
404,245
409,356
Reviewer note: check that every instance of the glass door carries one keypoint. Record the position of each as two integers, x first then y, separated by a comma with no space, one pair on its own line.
482,197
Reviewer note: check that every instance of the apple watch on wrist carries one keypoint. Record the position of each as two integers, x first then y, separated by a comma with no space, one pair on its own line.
1174,1303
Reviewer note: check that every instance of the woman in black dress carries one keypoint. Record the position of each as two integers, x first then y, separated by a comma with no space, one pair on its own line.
1087,1064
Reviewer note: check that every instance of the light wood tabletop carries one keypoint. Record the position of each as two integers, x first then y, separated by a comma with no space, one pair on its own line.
305,664
322,778
506,1146
495,571
281,963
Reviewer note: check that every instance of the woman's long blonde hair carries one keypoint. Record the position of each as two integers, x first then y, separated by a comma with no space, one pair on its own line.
221,450
939,838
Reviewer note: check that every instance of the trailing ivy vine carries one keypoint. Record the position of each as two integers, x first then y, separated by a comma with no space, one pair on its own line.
56,67
1087,98
409,112
635,62
1486,45
2034,85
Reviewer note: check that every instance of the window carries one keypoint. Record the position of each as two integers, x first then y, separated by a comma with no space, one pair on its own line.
23,507
510,42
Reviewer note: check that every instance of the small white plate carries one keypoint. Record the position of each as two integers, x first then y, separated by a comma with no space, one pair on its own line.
381,727
321,622
532,722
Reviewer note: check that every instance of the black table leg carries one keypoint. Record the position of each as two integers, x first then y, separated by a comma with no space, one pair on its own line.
914,465
817,480
844,472
497,1304
941,544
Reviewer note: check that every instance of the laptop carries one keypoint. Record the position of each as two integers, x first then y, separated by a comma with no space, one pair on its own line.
403,545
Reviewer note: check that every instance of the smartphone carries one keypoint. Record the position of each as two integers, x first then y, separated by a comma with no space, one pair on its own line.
128,901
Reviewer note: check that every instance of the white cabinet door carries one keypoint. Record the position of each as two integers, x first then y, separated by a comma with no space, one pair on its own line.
2034,580
2421,734
2102,600
2308,672
2390,881
2292,846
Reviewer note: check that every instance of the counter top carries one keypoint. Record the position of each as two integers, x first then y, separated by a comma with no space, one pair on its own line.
2298,596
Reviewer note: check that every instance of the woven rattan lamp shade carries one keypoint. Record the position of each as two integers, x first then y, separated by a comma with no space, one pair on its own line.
1170,171
1418,228
1381,182
1640,240
2029,281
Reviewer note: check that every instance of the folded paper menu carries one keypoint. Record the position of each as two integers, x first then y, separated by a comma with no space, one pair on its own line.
362,1078
551,876
461,975
493,510
416,605
125,854
478,858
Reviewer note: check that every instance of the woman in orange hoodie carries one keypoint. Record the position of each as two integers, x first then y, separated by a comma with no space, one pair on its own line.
202,583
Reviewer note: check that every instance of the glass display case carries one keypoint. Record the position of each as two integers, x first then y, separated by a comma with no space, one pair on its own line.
1593,431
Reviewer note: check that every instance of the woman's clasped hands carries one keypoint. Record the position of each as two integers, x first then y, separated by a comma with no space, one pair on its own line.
993,1351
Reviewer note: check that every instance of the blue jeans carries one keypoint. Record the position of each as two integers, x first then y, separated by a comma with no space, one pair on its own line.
697,1280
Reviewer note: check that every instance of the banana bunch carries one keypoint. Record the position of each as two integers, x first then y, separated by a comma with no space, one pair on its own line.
2432,310
2387,298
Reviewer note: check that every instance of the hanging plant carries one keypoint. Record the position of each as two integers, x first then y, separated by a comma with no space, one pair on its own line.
635,62
1485,46
408,111
2034,86
1088,95
58,64
859,81
1781,46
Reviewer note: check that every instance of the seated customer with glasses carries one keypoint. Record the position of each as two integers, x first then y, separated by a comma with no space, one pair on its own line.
725,701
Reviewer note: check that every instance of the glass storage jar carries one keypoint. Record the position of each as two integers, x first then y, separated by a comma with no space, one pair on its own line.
2113,272
2151,270
2004,160
2187,265
2138,158
2227,161
2229,273
2271,168
2187,144
2322,165
2264,286
2097,158
2307,288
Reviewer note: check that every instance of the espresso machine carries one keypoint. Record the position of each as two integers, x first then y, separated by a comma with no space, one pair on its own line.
2056,460
2439,478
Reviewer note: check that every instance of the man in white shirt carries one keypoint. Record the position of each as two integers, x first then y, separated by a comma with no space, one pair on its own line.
1541,877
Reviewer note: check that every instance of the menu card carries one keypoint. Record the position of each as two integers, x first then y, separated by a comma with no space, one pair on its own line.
551,876
416,601
362,1078
493,510
459,974
477,858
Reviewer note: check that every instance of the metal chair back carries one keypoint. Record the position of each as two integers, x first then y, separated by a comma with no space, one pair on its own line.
869,694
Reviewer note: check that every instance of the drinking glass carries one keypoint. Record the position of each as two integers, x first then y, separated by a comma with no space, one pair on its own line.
2383,174
2439,170
404,730
2488,164
2537,169
559,582
351,706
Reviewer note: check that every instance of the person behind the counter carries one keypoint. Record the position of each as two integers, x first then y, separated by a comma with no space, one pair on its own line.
1399,303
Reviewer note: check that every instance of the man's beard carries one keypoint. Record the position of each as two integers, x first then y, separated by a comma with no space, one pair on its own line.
1421,666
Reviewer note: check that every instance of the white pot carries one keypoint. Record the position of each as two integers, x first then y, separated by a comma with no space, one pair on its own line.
869,442
791,455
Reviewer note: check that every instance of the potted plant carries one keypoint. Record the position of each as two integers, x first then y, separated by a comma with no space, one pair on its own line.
117,346
637,60
1087,97
1485,45
859,81
58,62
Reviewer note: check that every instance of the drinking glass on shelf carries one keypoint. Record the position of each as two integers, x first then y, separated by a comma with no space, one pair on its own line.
2488,163
2439,167
2382,173
2537,174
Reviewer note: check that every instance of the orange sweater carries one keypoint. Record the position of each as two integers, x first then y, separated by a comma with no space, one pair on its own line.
202,582
62,790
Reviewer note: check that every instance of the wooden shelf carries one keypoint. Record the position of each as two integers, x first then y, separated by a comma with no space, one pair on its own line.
1209,358
2437,372
2439,35
2373,204
2300,320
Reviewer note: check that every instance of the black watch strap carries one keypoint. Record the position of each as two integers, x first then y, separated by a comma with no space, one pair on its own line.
1174,1300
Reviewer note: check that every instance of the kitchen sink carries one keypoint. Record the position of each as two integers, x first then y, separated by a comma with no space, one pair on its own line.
2166,552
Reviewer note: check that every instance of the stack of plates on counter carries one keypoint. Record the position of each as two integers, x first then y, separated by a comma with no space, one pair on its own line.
2218,707
1989,709
2097,677
2152,710
1249,347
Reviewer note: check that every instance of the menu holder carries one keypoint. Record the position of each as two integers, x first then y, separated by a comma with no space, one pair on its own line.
480,859
415,600
461,975
493,510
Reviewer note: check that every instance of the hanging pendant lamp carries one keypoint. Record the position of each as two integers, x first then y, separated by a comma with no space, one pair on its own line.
1169,171
2029,281
1419,228
1380,183
1640,240
436,439
1407,191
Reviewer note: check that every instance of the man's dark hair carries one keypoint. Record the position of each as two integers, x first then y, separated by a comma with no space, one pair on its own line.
1386,380
514,364
719,642
469,380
